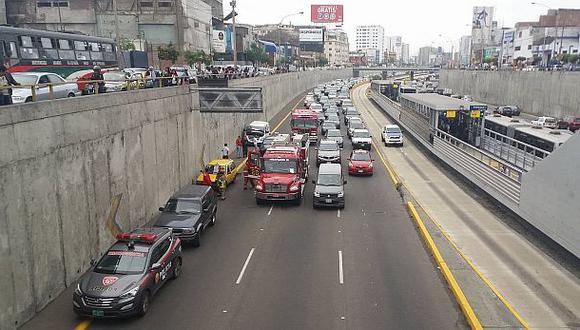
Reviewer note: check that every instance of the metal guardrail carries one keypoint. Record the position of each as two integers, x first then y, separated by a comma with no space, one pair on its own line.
519,153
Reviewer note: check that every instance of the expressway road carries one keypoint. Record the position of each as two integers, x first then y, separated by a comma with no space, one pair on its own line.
267,267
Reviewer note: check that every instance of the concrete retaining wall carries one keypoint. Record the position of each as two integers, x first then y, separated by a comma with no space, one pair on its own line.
61,163
550,93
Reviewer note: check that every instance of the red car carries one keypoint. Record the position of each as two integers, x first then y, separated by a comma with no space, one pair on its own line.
360,163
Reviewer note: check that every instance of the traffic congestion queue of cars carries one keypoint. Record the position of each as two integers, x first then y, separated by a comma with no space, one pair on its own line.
331,102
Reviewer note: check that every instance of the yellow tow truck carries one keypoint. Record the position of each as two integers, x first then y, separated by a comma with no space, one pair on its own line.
225,166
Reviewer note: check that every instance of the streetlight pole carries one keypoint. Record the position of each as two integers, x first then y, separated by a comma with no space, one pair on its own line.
280,27
234,48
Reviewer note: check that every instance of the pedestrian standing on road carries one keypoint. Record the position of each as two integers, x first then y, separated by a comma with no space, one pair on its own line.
6,80
98,80
225,151
222,185
239,149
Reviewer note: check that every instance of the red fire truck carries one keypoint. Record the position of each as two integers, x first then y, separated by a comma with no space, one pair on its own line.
305,121
283,174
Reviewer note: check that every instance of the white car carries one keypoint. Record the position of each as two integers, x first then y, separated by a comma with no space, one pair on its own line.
392,134
42,80
361,139
544,121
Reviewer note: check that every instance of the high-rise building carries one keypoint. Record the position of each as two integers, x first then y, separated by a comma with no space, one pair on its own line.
336,47
427,56
464,50
405,56
369,38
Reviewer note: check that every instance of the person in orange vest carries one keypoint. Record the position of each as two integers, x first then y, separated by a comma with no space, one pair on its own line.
239,149
206,178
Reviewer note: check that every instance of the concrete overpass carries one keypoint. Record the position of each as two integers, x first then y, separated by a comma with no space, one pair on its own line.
382,70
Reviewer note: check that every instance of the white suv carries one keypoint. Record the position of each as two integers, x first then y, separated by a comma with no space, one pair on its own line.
392,135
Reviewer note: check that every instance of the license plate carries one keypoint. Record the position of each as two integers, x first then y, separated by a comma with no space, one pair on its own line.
97,312
275,195
360,171
328,201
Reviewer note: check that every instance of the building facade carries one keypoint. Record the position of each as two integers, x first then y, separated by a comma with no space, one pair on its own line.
184,23
2,12
370,39
464,51
427,56
336,47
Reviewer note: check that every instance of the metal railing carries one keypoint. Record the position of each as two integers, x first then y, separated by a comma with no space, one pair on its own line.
520,154
511,172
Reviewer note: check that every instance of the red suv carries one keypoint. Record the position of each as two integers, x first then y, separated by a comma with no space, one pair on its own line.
360,163
571,122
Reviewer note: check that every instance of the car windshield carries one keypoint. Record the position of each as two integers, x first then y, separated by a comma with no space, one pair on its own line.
279,166
122,263
393,130
328,124
550,120
254,133
361,156
215,169
179,205
356,125
304,123
114,76
329,180
577,120
333,133
328,147
351,113
361,134
24,79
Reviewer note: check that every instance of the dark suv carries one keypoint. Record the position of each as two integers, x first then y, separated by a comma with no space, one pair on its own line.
189,212
125,279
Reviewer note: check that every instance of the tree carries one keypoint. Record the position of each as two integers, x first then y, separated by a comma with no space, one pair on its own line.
126,45
197,57
322,61
168,53
256,54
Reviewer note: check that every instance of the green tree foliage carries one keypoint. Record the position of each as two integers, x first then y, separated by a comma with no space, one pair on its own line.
322,61
256,54
168,53
197,57
126,45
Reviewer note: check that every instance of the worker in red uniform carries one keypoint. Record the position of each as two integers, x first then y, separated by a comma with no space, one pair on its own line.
206,178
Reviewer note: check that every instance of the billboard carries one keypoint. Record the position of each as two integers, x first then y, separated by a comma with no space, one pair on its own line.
311,35
326,13
482,17
218,41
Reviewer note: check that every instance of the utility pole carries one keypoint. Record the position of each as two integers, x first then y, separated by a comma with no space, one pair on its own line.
119,59
234,48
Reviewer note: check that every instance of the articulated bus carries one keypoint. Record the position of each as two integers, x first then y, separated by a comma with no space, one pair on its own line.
58,52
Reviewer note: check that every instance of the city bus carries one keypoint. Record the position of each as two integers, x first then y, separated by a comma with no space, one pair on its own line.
23,50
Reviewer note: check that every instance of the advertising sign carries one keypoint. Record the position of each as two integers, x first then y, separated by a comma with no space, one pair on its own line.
508,36
326,13
311,35
219,41
482,17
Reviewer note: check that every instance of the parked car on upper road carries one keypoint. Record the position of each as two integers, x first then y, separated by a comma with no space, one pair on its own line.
42,80
570,122
545,121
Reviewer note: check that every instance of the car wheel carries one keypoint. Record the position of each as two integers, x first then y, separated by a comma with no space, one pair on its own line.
145,303
314,206
298,201
259,201
28,99
71,95
176,269
197,241
213,219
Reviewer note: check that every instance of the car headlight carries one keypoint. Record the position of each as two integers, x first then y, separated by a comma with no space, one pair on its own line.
78,290
259,187
316,194
187,230
295,187
371,165
130,294
341,194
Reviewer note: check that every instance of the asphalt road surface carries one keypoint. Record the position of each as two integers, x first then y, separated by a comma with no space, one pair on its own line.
292,267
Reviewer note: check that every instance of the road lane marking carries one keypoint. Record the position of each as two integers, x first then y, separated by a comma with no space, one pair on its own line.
338,214
444,233
83,325
270,211
245,265
442,265
340,273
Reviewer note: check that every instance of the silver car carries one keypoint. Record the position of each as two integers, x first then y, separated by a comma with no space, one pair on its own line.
42,80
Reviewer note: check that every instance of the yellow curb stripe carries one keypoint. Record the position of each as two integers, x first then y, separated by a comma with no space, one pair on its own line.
447,274
467,260
83,325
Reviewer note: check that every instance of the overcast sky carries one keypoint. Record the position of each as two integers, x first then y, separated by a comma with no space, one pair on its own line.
419,22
